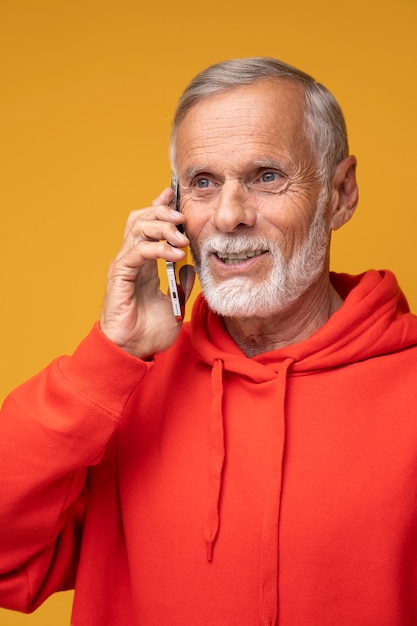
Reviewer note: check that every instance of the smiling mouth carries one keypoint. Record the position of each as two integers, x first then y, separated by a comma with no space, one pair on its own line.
234,258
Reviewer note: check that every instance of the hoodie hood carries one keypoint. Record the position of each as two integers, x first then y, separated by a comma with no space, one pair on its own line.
374,320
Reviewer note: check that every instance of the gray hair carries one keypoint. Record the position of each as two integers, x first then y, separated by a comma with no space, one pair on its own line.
324,123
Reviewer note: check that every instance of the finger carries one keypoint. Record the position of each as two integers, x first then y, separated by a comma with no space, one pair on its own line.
159,213
160,248
154,230
155,223
165,197
136,256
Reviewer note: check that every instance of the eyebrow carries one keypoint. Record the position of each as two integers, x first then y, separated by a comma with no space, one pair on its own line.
190,172
269,163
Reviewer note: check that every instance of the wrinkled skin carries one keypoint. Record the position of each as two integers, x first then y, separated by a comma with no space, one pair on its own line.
244,166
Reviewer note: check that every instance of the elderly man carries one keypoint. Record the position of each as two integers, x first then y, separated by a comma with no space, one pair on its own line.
258,465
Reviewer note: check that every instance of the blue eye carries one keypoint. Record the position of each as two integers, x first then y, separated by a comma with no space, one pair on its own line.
269,177
202,183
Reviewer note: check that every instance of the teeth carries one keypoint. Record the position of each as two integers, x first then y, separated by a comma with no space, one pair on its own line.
238,257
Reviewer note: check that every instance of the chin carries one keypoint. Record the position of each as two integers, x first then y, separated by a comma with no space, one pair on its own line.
242,298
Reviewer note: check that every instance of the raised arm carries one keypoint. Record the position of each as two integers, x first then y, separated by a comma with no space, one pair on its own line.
58,424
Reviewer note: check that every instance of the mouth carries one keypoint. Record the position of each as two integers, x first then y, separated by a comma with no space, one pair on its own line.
230,258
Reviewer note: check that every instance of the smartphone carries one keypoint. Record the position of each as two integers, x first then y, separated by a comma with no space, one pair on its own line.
180,274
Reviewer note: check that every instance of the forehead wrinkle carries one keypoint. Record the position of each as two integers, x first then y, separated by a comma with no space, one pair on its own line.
247,128
234,140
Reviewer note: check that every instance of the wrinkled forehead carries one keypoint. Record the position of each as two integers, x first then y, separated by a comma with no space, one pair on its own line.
269,112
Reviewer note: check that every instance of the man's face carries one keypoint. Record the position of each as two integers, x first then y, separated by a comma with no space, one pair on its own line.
250,195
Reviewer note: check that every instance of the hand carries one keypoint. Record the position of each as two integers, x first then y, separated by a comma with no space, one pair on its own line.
136,315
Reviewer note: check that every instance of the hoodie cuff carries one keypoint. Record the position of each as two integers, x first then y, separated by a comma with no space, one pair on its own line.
102,372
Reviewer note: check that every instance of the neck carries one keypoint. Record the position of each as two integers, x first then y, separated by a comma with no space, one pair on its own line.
297,323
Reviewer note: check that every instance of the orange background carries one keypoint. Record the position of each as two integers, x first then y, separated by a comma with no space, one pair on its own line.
88,89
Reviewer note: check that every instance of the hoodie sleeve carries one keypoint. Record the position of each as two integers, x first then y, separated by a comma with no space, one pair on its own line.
52,428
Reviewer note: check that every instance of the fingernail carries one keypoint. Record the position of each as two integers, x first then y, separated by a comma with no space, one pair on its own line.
181,237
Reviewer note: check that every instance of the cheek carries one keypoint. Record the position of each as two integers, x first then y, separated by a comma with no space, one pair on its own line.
196,219
293,212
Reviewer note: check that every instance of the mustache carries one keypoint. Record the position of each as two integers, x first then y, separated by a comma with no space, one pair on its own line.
225,244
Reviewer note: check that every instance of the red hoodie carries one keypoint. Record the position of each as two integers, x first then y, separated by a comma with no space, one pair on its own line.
207,488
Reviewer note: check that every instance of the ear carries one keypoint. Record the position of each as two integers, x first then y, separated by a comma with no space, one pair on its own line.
344,193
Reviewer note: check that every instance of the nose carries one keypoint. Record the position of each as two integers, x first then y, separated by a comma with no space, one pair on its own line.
232,208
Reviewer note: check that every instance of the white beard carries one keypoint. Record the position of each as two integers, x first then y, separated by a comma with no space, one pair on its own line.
242,296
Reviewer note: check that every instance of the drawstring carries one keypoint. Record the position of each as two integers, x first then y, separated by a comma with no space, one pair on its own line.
270,539
270,535
211,524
